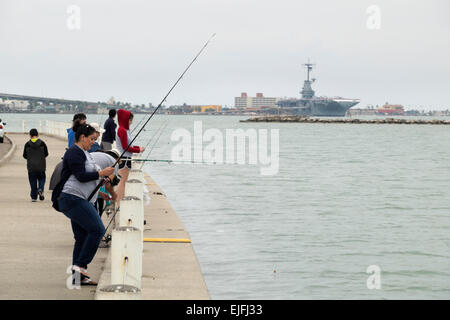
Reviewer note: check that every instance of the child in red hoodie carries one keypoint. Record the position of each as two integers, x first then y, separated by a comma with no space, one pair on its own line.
125,119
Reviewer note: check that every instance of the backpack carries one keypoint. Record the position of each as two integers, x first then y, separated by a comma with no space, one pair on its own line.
57,191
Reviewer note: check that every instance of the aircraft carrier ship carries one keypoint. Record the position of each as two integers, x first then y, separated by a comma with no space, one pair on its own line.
310,105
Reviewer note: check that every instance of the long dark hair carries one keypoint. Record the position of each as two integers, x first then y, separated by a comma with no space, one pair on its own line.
82,129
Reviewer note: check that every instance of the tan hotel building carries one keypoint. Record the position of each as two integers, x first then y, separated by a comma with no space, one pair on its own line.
259,101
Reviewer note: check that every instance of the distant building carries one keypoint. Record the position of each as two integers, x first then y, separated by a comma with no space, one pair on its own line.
207,108
16,105
391,109
111,101
259,101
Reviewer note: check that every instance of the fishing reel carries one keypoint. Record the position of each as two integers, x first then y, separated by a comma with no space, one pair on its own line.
115,181
108,238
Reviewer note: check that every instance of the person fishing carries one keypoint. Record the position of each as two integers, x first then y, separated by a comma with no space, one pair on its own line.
79,117
80,175
106,159
109,136
98,131
125,119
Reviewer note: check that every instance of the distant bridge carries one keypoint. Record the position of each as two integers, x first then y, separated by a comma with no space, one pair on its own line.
44,100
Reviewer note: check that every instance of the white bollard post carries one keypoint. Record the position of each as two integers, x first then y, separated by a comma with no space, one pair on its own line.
126,257
40,126
24,126
136,174
132,213
134,188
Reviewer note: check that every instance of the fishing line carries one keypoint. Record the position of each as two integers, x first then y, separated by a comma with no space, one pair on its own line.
154,144
150,117
164,124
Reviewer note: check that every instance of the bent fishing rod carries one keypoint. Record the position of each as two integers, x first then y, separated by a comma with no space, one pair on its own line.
102,181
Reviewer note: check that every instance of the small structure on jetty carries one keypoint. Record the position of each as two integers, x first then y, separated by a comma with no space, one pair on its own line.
305,119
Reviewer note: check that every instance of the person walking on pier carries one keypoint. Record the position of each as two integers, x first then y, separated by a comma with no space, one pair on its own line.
80,175
35,151
109,136
125,118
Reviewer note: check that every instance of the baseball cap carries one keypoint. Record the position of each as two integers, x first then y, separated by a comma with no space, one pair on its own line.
96,126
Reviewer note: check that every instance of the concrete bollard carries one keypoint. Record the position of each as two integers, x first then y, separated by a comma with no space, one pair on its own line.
126,257
136,174
134,188
132,212
24,125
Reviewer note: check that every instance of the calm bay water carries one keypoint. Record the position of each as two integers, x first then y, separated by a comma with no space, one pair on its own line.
346,197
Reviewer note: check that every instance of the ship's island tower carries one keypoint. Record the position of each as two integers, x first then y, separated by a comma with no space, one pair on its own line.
307,91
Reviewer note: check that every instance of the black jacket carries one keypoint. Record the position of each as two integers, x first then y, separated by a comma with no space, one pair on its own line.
35,153
110,131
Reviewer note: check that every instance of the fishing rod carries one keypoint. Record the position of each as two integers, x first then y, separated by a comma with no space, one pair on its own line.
171,161
156,109
183,161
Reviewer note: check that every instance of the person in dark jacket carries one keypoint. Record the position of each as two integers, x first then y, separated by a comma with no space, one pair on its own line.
35,151
109,136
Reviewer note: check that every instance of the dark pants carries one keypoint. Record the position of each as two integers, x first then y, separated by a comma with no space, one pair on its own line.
37,181
87,227
100,206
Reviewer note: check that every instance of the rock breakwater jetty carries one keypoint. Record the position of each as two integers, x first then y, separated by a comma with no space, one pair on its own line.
303,119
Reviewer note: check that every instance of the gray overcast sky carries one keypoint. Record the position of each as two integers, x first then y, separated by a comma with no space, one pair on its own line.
134,50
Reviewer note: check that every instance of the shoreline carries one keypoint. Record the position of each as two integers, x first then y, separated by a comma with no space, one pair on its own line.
233,114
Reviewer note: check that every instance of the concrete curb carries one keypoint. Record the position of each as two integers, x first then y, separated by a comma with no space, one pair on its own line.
10,153
105,279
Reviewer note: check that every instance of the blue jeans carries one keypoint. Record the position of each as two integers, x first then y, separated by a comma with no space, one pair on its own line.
36,178
87,227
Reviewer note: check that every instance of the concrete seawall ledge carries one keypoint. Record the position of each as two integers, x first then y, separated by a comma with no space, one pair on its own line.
10,152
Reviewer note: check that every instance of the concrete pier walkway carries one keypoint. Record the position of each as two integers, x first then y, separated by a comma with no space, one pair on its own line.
36,242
